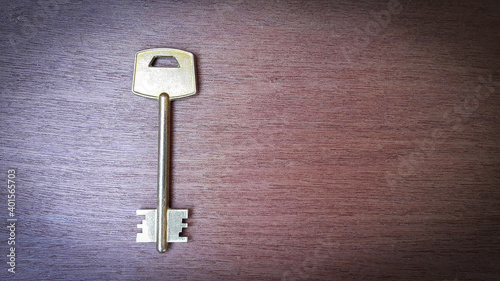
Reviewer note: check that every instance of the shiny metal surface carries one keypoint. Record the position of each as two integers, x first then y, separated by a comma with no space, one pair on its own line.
163,172
163,225
177,82
174,225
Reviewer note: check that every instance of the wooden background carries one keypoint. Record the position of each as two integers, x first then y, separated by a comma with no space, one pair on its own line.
346,140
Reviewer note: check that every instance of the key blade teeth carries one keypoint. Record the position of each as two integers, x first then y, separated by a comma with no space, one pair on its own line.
148,225
175,225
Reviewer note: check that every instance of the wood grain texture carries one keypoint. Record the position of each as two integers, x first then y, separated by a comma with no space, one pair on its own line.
346,140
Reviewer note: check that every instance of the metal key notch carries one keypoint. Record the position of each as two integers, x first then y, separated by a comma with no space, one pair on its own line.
163,225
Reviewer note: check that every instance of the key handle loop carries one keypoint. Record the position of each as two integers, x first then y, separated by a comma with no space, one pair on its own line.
177,82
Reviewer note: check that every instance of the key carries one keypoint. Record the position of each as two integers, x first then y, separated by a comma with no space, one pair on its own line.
163,225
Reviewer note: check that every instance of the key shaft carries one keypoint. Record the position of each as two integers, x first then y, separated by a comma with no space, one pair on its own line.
164,138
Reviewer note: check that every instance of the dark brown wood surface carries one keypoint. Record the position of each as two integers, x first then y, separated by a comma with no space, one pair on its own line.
346,140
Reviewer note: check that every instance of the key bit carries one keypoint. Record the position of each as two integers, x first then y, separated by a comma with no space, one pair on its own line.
148,226
163,225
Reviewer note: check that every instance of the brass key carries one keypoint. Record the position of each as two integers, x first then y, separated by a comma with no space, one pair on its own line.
163,225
